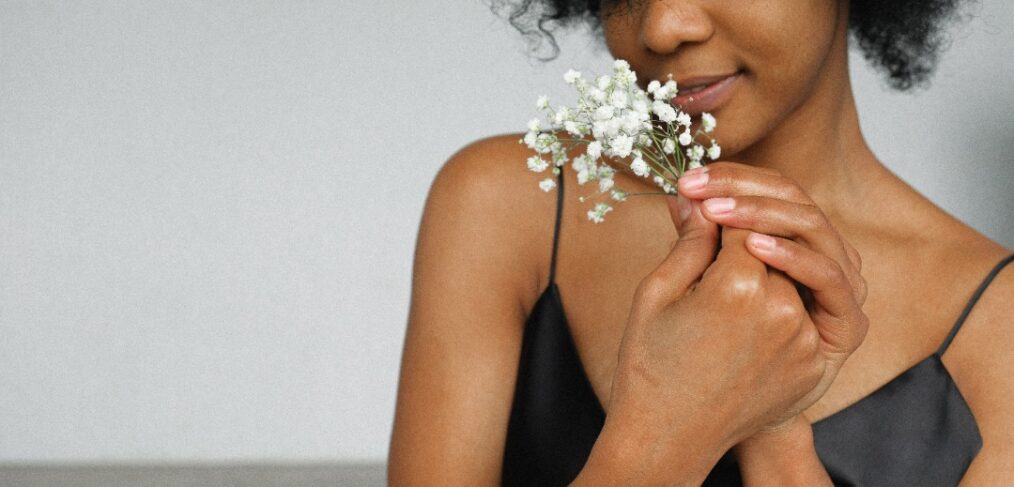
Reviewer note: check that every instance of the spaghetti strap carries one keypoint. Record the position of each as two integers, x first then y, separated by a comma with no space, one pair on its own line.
971,302
556,226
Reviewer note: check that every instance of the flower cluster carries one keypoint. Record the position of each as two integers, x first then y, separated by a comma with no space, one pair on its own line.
623,121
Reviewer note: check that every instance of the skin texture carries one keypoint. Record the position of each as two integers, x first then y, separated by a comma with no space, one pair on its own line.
483,250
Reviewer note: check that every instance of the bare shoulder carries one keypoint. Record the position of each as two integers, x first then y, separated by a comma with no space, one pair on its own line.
486,193
981,361
484,228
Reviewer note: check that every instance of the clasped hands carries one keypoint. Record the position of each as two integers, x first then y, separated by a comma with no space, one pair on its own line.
767,216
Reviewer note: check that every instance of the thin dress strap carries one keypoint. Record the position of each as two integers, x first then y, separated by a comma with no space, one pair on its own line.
556,227
971,302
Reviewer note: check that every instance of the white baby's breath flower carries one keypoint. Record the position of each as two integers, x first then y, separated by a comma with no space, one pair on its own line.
603,113
631,124
707,122
618,99
696,152
559,157
537,164
603,82
714,151
622,121
605,184
666,92
562,115
626,77
640,107
545,142
596,214
668,146
529,139
665,111
621,145
579,162
640,167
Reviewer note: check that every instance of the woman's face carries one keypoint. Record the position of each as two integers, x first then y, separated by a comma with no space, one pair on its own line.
786,52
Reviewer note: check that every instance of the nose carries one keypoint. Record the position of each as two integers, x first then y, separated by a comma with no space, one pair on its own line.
665,24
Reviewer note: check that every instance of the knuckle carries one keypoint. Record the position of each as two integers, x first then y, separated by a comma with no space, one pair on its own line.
814,220
793,193
862,327
856,257
833,272
863,288
809,338
784,310
651,285
741,285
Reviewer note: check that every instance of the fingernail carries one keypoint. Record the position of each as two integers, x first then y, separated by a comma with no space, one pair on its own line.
695,178
719,205
684,207
761,241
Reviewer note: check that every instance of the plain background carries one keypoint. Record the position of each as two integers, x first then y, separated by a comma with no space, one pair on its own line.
208,209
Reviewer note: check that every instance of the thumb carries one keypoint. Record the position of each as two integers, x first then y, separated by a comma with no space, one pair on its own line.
693,252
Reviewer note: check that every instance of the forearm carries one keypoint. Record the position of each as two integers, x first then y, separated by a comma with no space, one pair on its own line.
635,453
786,458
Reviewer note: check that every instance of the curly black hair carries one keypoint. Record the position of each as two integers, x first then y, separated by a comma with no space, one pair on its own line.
901,38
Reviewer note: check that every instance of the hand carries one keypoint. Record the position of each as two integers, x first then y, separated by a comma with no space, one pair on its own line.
806,246
716,346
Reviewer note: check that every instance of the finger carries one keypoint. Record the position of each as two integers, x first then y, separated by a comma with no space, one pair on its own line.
857,263
735,265
805,223
690,256
726,178
822,275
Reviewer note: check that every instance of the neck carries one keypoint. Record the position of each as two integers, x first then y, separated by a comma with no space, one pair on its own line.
820,146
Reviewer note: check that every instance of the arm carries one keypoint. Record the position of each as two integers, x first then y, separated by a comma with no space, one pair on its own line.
481,259
630,451
483,236
782,458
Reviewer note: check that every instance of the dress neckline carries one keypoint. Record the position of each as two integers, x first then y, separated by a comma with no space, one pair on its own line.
553,291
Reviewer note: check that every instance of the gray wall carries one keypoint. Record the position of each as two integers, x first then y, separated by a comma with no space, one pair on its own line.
208,209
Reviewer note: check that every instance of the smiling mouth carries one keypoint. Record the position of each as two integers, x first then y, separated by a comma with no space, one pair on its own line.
705,94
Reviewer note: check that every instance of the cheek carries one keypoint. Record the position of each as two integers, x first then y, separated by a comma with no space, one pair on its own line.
783,47
622,39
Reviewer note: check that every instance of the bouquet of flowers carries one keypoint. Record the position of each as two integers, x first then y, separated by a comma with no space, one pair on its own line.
623,121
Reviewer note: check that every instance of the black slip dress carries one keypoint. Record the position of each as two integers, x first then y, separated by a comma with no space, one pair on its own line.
915,430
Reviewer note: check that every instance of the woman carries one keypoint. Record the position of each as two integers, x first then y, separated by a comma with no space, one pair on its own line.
688,351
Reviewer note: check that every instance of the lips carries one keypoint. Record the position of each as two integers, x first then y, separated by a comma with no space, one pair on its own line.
704,93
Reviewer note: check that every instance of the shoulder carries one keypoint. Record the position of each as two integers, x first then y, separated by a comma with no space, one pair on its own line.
485,205
981,361
488,169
